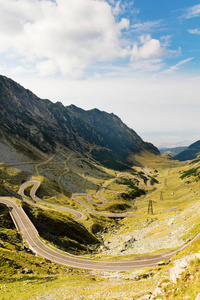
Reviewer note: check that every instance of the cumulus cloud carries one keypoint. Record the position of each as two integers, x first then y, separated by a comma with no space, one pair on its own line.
61,36
69,36
194,31
192,12
148,53
148,48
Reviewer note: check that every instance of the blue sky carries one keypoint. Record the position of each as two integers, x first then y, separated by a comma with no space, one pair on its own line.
138,59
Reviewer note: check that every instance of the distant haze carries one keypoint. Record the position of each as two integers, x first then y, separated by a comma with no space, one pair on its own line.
147,107
171,139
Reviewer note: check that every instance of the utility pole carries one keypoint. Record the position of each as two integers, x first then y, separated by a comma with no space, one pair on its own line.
150,207
161,196
165,182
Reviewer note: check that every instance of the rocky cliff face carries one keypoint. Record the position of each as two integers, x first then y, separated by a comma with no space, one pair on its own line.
48,125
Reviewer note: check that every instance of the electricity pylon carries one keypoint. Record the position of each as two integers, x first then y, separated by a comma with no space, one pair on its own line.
150,207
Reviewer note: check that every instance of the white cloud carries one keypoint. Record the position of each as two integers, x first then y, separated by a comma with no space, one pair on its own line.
150,65
148,54
117,10
70,36
174,53
166,40
166,44
63,36
48,67
194,31
146,26
177,66
149,48
120,7
192,12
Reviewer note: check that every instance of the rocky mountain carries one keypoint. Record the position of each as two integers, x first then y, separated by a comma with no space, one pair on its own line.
172,151
46,126
189,153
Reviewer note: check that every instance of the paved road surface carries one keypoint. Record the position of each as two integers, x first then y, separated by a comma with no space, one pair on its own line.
108,215
30,234
23,224
79,215
36,184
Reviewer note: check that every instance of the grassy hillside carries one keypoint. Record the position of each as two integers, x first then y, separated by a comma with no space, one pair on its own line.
51,281
16,259
175,221
189,153
61,230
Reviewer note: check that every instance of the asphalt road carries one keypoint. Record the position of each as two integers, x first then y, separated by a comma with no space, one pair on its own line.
36,184
23,223
78,214
25,226
108,215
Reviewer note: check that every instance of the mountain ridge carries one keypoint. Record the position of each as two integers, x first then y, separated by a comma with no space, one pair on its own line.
47,126
173,151
189,153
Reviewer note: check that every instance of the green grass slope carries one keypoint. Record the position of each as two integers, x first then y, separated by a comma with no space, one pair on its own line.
60,230
26,276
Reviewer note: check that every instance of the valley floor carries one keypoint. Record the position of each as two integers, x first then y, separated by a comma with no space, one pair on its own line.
174,222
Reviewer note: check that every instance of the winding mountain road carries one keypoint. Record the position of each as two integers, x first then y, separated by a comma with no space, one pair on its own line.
78,215
103,187
104,202
30,234
108,215
36,185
